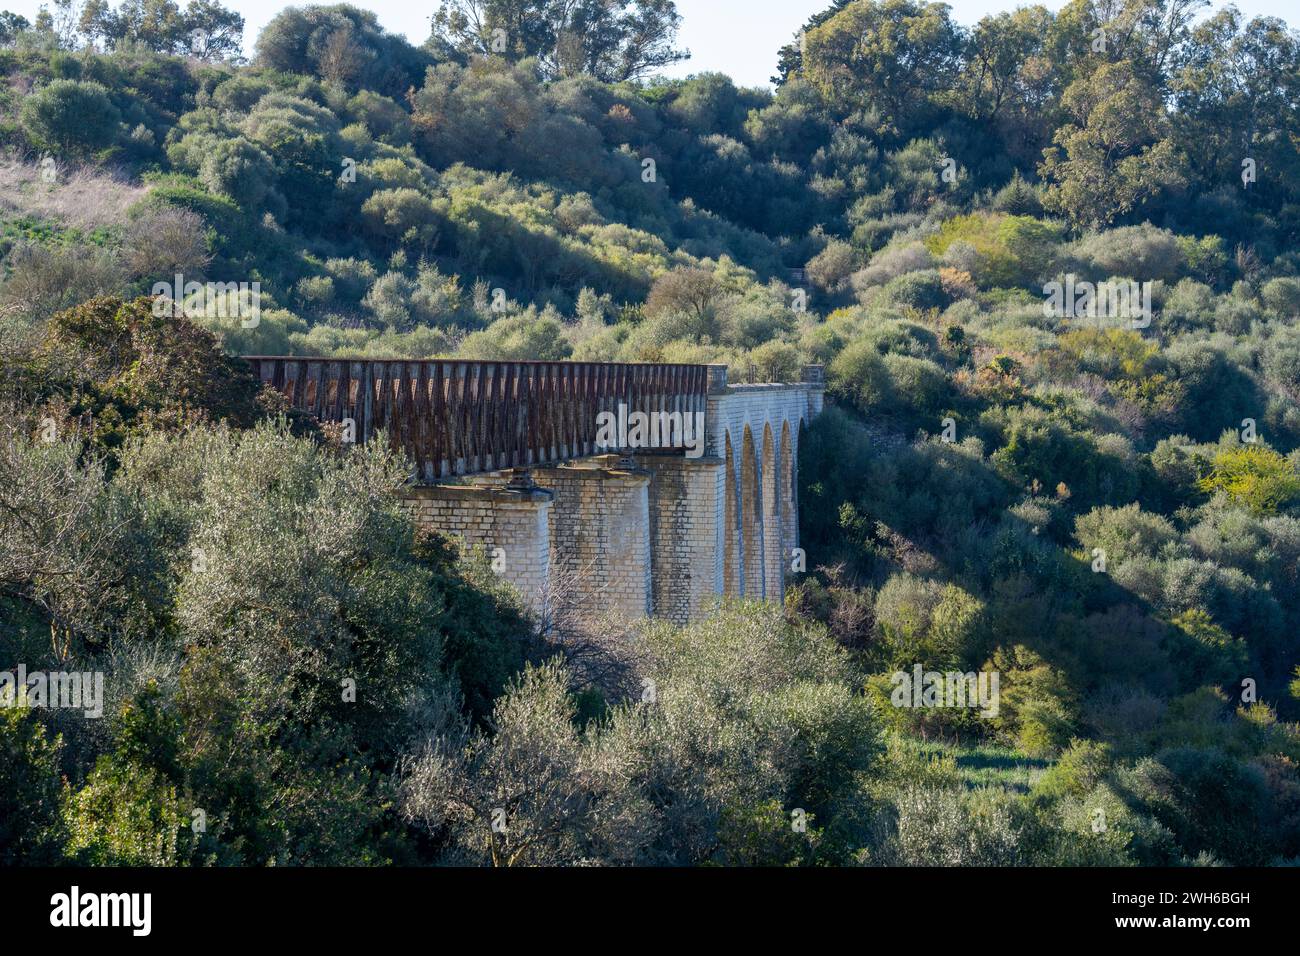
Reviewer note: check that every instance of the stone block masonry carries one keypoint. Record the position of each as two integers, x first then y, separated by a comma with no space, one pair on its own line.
756,430
687,498
655,533
518,522
600,534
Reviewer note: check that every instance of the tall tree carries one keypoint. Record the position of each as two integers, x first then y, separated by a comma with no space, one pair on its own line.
1238,95
888,57
790,57
11,25
1004,65
215,33
1148,33
204,29
1011,80
1115,152
612,40
341,44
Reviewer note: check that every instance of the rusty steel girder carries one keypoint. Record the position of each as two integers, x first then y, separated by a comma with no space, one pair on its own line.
456,418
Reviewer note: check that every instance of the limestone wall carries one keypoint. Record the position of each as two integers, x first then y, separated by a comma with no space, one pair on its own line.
600,534
516,522
667,537
686,533
755,429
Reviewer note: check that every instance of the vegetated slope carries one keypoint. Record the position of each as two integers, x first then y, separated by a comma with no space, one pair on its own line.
1102,509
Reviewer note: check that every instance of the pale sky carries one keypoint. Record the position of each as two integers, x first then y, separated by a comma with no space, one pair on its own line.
736,37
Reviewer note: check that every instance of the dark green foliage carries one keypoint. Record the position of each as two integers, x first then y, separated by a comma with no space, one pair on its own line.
1212,803
1038,449
341,44
71,118
31,829
125,370
485,636
129,812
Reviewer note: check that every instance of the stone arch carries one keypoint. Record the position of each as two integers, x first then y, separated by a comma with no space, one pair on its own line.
773,580
751,518
789,499
731,558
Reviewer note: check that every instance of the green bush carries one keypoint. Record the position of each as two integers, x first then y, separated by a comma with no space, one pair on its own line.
921,290
918,386
1145,253
858,375
132,371
70,117
1255,476
30,824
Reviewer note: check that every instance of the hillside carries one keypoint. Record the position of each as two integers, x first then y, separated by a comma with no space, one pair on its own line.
1052,264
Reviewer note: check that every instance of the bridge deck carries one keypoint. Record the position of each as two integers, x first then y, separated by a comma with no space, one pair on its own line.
457,418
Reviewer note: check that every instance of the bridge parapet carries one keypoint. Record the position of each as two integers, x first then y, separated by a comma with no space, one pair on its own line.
458,418
721,379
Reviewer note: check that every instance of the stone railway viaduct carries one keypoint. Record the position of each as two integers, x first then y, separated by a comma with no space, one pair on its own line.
507,457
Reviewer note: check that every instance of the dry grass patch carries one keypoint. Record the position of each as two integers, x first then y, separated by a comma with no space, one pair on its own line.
83,197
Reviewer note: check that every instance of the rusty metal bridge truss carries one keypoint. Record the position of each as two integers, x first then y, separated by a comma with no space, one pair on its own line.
456,418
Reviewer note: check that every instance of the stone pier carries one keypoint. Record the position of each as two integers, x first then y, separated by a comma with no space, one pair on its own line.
651,531
513,526
600,533
687,498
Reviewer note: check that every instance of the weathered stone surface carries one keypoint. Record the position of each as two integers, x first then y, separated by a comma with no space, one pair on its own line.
660,533
515,522
686,534
600,533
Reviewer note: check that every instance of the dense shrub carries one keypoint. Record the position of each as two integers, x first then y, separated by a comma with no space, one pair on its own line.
30,822
71,118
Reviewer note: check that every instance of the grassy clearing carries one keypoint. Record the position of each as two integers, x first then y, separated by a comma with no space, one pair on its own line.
82,198
987,765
